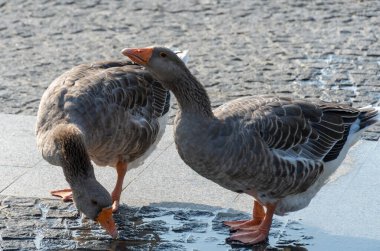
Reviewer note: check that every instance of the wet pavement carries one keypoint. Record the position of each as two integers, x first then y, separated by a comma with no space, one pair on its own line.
43,224
28,223
50,224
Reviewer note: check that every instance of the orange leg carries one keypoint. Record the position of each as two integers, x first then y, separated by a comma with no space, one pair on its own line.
258,216
65,194
259,234
121,169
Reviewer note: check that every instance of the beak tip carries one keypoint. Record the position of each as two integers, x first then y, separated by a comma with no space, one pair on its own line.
106,221
140,56
114,234
125,51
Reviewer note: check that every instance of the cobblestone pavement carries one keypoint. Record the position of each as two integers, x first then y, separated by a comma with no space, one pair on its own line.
29,224
323,49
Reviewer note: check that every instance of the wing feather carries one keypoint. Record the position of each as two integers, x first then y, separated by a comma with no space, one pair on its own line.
299,137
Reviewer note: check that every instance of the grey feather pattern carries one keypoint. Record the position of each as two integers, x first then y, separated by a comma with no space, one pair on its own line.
269,147
115,105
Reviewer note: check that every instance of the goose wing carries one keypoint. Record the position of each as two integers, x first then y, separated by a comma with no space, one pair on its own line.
294,127
123,84
294,138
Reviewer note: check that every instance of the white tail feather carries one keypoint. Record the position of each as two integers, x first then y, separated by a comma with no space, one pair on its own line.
182,54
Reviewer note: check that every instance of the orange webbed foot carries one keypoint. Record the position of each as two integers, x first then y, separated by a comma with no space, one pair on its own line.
244,225
249,225
234,223
65,194
250,238
256,230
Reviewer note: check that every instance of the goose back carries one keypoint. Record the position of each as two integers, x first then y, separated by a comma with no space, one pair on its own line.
116,105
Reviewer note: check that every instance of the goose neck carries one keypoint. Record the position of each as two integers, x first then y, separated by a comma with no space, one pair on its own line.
192,96
75,161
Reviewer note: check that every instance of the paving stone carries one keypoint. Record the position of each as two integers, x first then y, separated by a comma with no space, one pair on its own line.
21,212
57,244
170,246
94,244
156,225
17,234
24,223
196,227
55,234
8,245
188,215
62,213
19,202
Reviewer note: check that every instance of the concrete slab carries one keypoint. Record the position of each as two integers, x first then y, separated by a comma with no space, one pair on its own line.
43,177
37,182
17,141
9,174
168,179
167,139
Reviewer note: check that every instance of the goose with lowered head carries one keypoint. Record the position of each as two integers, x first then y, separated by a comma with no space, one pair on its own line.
112,113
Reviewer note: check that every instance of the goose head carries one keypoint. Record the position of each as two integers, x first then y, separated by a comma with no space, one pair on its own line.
172,73
94,201
163,63
89,196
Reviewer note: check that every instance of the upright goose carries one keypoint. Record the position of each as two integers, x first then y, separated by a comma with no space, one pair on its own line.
278,150
112,113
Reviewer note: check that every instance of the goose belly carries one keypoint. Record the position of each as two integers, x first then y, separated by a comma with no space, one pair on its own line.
295,202
299,201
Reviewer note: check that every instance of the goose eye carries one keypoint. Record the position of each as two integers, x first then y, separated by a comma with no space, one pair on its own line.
163,54
94,202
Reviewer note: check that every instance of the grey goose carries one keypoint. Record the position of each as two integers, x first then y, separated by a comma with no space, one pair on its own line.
111,112
278,150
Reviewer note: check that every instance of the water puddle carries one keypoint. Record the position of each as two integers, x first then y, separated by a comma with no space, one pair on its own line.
156,228
58,226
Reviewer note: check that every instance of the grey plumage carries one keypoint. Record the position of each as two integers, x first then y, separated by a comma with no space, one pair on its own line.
110,112
115,105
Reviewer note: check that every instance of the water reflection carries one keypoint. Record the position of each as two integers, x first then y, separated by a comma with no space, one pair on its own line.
163,228
154,228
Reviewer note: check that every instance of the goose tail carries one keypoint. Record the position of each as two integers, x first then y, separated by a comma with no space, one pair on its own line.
182,54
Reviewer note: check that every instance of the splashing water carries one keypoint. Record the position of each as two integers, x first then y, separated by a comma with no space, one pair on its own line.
39,231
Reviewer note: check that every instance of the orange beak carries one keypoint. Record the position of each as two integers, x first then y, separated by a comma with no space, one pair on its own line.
139,56
106,221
